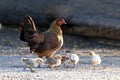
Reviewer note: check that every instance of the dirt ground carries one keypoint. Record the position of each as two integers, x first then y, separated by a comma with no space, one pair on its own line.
12,50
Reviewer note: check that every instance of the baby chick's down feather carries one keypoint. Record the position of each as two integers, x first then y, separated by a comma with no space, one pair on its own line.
74,58
95,59
31,62
64,60
54,61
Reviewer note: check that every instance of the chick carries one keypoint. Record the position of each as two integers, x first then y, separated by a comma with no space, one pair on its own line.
63,51
64,60
54,61
30,62
74,58
95,59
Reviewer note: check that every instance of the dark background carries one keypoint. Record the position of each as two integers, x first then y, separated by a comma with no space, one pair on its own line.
91,18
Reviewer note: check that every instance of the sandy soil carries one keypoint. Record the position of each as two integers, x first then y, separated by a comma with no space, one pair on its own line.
12,50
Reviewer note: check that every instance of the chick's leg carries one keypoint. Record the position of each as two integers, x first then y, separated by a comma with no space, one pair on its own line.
24,68
51,67
74,66
57,68
64,65
93,67
32,69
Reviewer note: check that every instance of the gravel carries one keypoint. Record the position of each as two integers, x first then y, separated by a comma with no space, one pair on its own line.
11,68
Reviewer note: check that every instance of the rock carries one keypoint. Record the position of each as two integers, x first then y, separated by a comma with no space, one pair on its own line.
94,31
101,16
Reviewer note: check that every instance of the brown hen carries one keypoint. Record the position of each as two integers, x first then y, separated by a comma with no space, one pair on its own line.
42,43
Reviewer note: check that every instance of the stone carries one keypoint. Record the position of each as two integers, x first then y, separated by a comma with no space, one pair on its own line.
101,18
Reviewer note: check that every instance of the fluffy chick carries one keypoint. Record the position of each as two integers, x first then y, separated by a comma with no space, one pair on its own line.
64,60
95,59
31,62
54,61
74,58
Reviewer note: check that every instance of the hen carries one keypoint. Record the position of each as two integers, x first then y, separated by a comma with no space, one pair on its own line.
42,43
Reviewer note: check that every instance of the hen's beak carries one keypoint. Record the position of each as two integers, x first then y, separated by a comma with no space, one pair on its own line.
65,23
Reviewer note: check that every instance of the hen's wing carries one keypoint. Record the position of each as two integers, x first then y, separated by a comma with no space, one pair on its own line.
49,43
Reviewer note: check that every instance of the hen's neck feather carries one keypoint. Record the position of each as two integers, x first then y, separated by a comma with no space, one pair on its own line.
54,28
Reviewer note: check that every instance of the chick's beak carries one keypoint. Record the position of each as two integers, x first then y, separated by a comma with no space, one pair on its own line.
32,52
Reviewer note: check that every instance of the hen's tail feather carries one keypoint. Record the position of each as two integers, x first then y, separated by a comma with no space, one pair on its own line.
27,28
22,32
31,22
